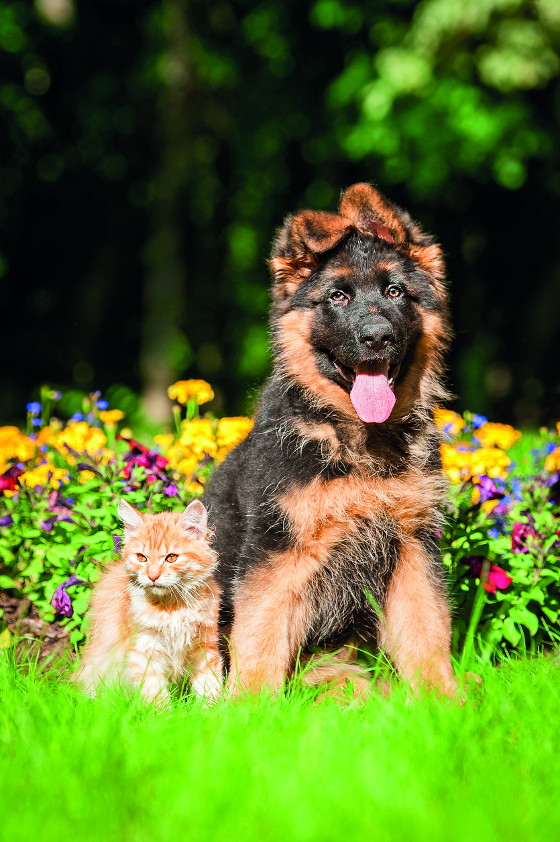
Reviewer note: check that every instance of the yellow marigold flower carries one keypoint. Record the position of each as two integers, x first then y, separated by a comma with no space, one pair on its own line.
194,488
187,466
456,463
43,474
81,437
230,432
200,390
489,461
499,435
558,427
85,476
47,435
199,436
14,445
164,441
461,463
111,416
448,420
552,461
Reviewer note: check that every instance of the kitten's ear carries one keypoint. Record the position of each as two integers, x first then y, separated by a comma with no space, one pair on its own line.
195,519
131,518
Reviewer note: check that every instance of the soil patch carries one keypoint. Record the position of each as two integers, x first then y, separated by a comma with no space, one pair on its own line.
23,621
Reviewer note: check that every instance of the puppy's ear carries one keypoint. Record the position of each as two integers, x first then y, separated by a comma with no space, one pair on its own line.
372,213
298,245
195,520
131,518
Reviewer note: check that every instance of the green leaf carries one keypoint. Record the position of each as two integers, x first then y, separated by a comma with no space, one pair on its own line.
510,631
529,620
8,582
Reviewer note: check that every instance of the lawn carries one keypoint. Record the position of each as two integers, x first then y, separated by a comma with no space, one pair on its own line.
396,768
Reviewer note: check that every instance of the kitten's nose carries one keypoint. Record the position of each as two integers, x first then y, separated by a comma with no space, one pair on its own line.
153,574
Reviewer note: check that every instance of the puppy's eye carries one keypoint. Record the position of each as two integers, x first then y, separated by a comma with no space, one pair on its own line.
338,297
393,291
141,557
171,557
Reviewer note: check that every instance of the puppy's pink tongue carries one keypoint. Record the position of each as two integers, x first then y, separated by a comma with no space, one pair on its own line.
371,395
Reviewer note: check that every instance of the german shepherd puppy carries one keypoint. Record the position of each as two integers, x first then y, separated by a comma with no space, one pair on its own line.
331,505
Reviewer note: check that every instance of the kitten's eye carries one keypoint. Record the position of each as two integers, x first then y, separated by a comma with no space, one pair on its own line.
141,557
339,297
171,557
393,291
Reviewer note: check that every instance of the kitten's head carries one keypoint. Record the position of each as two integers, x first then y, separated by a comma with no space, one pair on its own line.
166,554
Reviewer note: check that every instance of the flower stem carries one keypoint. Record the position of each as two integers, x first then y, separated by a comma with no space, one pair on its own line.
476,613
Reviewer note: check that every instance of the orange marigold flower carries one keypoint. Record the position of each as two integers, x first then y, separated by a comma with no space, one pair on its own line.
552,461
448,420
14,445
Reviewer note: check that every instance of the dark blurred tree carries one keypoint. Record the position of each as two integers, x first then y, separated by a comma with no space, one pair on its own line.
149,149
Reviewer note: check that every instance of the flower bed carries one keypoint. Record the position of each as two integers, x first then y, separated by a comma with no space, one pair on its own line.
60,483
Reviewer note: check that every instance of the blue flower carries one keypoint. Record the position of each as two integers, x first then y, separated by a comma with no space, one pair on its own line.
34,408
478,420
78,416
36,422
103,404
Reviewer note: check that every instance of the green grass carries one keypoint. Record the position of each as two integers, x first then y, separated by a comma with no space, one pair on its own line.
285,769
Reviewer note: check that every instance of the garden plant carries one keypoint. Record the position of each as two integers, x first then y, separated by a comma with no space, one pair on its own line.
61,482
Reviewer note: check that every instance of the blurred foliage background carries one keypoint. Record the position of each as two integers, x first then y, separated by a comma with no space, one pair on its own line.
150,149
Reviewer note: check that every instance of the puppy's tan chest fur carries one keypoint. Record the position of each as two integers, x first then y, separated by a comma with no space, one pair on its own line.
325,510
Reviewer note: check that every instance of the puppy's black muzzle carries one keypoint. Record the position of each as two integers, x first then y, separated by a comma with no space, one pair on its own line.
376,333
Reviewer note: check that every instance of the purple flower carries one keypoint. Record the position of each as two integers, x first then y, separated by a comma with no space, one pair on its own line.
117,543
171,490
488,489
520,534
7,520
85,466
34,408
47,525
478,420
61,601
58,503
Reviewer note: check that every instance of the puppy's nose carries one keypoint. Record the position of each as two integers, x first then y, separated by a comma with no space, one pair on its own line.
376,334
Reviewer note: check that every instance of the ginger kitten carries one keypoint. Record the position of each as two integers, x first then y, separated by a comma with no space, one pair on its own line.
153,614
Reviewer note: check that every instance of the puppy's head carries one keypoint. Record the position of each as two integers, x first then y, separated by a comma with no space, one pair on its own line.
359,316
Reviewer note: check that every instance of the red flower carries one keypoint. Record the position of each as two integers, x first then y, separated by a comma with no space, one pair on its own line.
139,454
9,479
497,578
